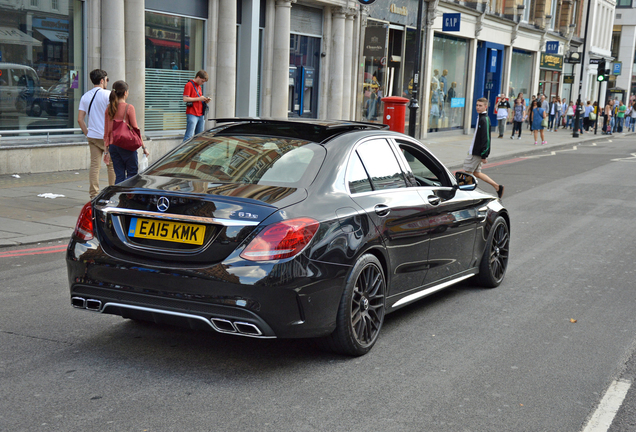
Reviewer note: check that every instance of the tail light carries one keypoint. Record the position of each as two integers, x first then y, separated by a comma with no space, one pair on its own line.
84,227
281,240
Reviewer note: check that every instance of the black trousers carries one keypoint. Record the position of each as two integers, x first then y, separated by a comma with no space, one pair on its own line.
517,126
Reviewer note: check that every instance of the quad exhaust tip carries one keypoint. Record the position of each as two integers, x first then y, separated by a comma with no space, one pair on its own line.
88,304
227,326
219,324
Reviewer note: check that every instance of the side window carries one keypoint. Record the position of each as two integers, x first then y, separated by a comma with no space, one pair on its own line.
381,165
357,177
426,171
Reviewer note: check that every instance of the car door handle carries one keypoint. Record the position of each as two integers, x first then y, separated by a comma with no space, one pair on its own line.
434,200
382,210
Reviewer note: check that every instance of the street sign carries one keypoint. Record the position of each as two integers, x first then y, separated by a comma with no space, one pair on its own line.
451,21
616,68
595,61
552,47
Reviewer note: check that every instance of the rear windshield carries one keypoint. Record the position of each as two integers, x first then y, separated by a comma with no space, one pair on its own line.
243,159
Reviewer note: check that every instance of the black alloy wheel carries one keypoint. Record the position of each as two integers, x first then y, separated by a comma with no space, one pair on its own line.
361,311
494,262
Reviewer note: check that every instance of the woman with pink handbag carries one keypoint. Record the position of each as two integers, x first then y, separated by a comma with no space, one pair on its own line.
122,137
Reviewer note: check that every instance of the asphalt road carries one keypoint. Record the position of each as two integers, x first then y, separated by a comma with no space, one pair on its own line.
535,354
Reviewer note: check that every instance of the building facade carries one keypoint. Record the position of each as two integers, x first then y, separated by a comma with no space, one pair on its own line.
319,59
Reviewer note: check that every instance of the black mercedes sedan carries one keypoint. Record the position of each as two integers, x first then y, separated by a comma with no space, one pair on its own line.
286,229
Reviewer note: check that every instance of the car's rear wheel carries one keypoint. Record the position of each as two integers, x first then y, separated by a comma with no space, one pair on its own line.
361,311
494,262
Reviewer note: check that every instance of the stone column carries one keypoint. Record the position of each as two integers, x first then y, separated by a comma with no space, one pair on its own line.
325,65
280,66
337,64
113,40
470,86
348,61
211,60
226,60
94,46
268,54
134,22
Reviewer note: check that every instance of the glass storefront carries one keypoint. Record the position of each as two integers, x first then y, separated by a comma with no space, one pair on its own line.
374,52
520,75
41,72
550,75
447,100
174,53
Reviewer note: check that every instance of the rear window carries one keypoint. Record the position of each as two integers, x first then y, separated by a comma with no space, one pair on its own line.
243,159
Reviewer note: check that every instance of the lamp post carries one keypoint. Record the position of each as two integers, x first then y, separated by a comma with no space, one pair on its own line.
579,108
413,103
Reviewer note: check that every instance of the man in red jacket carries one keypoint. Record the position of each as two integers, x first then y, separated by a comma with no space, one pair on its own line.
480,147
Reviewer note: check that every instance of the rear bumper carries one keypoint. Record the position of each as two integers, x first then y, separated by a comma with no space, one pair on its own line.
292,299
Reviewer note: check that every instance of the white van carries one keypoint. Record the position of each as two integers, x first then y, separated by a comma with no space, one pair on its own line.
20,90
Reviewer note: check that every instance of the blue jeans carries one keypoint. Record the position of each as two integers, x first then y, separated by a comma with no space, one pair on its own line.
569,124
632,126
619,124
124,163
194,126
551,121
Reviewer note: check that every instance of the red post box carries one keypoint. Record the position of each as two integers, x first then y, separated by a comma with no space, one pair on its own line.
395,112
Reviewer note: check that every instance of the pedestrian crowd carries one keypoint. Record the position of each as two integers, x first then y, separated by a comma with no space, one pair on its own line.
542,115
110,126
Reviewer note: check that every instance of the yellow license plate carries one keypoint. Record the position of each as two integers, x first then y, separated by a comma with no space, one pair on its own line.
176,232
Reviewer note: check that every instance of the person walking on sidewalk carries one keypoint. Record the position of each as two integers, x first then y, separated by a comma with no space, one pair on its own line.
92,107
552,109
632,114
196,105
519,115
503,110
480,147
124,161
538,114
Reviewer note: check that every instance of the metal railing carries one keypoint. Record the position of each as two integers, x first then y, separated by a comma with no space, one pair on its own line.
32,132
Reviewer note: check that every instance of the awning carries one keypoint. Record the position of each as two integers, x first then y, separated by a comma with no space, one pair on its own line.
166,43
54,36
14,36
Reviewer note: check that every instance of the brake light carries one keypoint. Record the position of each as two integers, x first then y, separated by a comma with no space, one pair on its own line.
281,240
84,227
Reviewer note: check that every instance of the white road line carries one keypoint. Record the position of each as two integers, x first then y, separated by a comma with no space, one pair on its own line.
608,407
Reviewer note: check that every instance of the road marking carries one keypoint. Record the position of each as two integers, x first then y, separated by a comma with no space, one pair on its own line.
608,407
629,159
33,251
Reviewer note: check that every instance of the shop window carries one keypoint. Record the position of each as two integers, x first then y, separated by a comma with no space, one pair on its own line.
447,97
374,58
174,53
41,66
520,75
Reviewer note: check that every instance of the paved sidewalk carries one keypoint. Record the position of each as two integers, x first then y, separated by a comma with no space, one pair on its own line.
27,216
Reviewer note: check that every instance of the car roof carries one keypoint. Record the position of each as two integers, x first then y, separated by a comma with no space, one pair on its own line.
319,131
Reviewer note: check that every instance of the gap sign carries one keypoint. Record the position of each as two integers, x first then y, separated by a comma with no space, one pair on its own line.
451,21
552,47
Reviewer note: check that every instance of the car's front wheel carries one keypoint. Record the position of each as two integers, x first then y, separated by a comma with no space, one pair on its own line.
361,311
494,262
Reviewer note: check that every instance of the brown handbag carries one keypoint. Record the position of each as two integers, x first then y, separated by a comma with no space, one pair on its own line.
124,135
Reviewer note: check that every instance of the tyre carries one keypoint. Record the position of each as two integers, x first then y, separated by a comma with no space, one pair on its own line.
36,110
361,310
494,262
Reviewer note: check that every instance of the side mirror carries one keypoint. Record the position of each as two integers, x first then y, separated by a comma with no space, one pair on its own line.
465,181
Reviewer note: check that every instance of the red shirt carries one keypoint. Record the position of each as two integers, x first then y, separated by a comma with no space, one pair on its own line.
189,91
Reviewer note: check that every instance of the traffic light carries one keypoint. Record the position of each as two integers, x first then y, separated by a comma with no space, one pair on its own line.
601,74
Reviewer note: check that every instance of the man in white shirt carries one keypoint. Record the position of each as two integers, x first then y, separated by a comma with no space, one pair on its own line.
92,110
